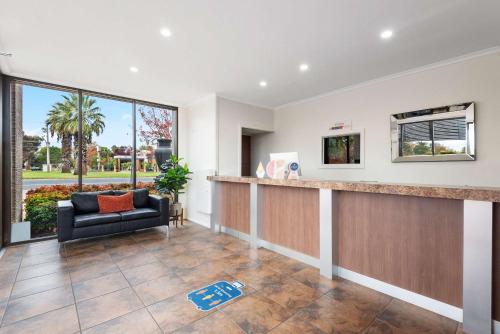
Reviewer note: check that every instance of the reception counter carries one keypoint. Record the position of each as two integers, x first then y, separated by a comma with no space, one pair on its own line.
434,246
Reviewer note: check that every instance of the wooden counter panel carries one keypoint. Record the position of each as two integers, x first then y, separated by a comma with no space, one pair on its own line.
496,261
412,242
234,205
290,218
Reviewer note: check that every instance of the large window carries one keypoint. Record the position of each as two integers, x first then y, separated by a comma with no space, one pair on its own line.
63,140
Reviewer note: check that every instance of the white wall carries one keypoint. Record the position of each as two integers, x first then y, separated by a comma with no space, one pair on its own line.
198,145
232,117
298,127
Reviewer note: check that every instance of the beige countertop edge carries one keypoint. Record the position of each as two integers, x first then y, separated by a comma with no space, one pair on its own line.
433,191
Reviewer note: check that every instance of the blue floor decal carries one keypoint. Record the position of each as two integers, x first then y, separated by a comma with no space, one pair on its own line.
215,294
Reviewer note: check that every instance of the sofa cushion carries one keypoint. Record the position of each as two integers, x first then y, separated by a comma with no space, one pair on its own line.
90,219
115,203
86,202
141,197
139,214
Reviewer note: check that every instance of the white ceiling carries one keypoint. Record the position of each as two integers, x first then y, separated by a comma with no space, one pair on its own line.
228,46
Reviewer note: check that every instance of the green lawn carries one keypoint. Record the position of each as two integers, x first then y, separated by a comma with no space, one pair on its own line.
31,175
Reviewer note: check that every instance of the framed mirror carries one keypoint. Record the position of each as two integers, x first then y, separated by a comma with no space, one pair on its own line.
436,134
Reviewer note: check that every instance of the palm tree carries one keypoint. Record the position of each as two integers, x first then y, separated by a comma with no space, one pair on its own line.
63,121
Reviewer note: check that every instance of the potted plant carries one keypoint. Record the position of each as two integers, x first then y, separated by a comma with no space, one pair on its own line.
173,181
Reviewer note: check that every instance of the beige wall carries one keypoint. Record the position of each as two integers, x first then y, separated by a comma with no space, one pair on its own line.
232,116
298,127
198,146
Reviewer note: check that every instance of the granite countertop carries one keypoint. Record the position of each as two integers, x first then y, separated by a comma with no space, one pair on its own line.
435,191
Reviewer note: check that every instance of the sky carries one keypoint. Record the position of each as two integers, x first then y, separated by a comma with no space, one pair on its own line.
118,116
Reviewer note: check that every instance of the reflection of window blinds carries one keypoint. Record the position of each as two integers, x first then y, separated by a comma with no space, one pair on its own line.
450,129
416,132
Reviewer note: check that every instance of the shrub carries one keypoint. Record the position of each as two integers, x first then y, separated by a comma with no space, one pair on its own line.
41,202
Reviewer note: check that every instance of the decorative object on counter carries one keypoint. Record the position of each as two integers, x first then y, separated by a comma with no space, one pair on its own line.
293,170
277,168
436,134
163,153
173,182
260,172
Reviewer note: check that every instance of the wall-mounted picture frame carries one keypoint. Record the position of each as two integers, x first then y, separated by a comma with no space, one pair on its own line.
343,149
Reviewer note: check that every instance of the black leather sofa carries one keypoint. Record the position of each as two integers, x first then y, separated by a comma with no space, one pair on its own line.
80,217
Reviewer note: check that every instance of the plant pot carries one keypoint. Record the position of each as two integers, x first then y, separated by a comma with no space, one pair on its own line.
163,152
175,209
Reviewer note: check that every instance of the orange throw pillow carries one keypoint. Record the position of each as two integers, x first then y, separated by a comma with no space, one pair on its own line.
110,203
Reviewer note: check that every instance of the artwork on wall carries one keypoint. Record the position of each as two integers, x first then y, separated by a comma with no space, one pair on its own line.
436,134
343,149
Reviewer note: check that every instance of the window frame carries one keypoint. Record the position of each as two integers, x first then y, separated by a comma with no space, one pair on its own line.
8,84
345,133
431,115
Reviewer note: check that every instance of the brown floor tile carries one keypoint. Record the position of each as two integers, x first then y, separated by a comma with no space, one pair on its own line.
259,278
256,314
183,261
237,262
41,270
406,318
146,273
99,286
125,250
299,323
39,259
153,291
175,312
348,308
80,274
32,305
285,265
136,260
88,259
290,294
216,323
311,277
39,284
137,322
61,321
100,309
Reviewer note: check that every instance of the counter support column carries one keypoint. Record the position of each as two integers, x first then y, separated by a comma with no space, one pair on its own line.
214,205
325,233
477,269
255,208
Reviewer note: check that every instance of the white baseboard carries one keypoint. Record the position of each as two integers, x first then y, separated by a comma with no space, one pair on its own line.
307,259
198,222
496,327
427,303
236,234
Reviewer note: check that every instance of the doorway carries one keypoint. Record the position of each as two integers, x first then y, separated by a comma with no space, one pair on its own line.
246,155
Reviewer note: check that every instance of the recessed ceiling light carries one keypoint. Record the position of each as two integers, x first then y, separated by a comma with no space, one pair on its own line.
386,34
166,32
262,84
303,67
134,69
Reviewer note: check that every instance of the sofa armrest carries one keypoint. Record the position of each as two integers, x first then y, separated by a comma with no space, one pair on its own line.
161,204
65,218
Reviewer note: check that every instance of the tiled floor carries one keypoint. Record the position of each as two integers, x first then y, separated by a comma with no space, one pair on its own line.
136,283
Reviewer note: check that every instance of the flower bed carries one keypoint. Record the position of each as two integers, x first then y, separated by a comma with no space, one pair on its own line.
41,203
